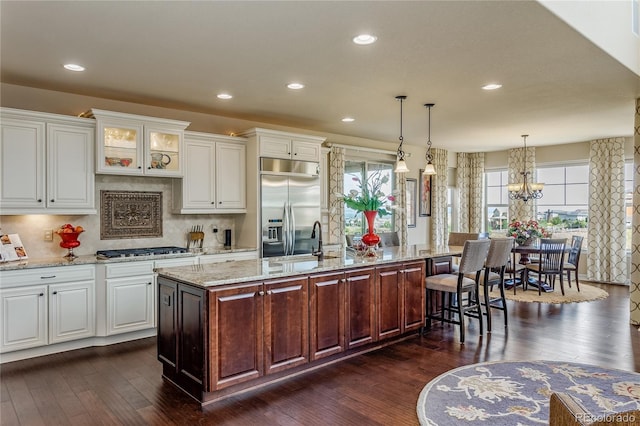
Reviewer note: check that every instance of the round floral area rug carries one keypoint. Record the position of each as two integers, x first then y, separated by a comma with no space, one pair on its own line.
518,393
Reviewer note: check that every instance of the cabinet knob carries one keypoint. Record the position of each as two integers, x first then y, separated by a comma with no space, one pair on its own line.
139,167
295,153
149,283
219,202
41,294
52,200
269,292
55,292
39,200
213,202
149,168
261,293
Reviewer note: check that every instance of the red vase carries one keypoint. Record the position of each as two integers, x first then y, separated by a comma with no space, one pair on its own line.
370,239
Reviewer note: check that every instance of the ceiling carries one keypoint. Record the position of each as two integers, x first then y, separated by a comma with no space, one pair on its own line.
557,86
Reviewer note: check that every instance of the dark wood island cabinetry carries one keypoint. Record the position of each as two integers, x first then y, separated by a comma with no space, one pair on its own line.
220,337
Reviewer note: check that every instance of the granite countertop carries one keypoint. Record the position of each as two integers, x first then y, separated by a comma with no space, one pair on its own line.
216,274
47,262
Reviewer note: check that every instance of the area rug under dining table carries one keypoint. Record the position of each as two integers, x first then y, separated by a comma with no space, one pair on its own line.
518,392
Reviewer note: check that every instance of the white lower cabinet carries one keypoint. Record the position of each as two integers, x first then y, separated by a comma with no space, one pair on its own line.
24,318
36,314
71,311
130,297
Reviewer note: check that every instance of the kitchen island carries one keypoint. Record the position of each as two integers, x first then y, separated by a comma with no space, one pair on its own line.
225,328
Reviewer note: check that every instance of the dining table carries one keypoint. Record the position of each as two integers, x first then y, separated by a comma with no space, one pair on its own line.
524,251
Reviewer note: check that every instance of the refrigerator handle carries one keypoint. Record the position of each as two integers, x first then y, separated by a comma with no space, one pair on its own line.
292,225
285,228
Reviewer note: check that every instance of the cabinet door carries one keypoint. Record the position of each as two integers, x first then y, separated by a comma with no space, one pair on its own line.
235,335
119,145
70,177
275,147
22,167
308,151
286,324
230,176
360,307
130,304
163,151
191,335
413,295
167,322
24,318
326,314
198,183
389,301
71,311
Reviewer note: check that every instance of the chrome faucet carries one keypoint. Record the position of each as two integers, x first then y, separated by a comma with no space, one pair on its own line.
318,253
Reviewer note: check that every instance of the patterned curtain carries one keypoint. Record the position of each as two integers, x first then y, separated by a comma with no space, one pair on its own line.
401,211
336,188
607,258
469,176
439,214
634,290
518,209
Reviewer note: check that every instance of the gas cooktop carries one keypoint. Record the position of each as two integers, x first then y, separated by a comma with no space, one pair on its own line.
110,254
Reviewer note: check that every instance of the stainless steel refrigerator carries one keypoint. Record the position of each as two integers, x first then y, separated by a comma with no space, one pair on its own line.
290,204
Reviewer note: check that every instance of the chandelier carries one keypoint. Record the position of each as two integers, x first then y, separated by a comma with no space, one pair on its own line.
401,165
525,190
429,168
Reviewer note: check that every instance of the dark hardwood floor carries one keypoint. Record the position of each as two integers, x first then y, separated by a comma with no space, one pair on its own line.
122,384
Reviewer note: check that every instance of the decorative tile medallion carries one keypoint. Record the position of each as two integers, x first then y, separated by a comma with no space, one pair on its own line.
130,214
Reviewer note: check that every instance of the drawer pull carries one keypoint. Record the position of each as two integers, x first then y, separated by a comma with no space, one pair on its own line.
48,277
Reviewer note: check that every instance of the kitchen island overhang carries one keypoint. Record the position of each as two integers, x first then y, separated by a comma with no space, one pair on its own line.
226,328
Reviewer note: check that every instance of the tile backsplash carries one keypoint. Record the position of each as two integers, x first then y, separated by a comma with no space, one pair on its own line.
175,227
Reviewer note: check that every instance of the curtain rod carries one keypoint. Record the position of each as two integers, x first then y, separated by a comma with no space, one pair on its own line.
362,148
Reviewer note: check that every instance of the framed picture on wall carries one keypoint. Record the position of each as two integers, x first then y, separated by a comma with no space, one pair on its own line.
425,194
410,198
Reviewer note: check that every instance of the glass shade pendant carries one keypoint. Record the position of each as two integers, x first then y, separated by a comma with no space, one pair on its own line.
429,168
401,165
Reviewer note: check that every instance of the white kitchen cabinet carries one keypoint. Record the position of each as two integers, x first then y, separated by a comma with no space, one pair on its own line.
324,179
24,318
215,176
44,306
71,311
130,294
46,164
276,144
131,144
227,257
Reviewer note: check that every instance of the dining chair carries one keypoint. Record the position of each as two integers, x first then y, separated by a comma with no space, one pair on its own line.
389,239
550,262
515,269
571,265
455,286
493,274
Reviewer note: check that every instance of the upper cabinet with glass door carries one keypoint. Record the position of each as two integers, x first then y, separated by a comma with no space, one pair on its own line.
137,145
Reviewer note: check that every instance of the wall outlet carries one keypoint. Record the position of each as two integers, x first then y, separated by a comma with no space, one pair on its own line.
48,235
215,229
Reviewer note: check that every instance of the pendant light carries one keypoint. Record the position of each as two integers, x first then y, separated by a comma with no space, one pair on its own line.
429,168
526,190
401,165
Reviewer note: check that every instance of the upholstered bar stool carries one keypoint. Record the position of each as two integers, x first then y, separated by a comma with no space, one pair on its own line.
493,274
456,286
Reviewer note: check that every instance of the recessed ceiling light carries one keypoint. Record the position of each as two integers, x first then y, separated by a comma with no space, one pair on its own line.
364,39
348,120
74,67
295,86
492,86
224,96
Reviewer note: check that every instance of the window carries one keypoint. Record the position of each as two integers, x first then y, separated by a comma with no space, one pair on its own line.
497,201
355,223
564,207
